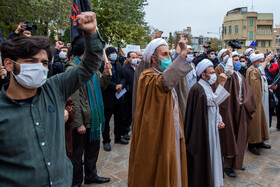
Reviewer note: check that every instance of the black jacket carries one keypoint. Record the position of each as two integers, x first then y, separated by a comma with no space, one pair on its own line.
128,73
109,98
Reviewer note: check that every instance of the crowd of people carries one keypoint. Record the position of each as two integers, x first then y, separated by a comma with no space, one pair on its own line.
189,116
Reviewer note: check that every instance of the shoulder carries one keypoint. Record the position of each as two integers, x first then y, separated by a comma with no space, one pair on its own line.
69,65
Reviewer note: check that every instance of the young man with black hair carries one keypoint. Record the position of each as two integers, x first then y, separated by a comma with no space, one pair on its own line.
32,108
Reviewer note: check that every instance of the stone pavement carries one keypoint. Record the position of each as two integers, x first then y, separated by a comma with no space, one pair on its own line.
261,171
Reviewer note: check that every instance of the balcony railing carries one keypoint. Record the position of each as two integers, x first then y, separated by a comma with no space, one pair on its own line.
264,31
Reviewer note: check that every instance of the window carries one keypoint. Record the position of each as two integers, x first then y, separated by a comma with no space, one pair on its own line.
236,29
269,43
263,28
229,29
251,35
277,38
251,21
225,30
244,27
263,44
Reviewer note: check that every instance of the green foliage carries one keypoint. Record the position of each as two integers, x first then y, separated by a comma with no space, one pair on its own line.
119,21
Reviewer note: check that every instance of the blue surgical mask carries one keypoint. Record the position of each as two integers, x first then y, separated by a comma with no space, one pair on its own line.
113,57
260,64
237,66
165,63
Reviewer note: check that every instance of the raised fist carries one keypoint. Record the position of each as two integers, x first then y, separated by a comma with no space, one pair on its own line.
88,22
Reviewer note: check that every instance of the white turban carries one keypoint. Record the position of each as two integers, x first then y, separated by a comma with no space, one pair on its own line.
248,51
235,54
151,47
254,57
221,53
202,66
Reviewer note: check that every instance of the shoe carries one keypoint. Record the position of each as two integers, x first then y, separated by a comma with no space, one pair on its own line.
243,168
230,172
121,141
264,146
126,136
98,180
255,151
107,147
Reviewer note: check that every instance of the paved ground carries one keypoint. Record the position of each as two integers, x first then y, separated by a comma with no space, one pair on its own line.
260,171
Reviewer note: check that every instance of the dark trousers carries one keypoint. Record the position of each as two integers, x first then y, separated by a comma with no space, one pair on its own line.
118,129
127,115
82,145
278,114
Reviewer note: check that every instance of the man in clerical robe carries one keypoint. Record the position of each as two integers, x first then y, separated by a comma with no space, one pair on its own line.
236,111
157,153
202,128
258,128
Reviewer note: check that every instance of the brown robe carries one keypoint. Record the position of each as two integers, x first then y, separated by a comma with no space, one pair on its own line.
258,131
197,139
236,117
219,69
153,156
182,92
70,107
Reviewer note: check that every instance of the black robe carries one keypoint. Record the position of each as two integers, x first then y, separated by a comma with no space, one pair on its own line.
197,139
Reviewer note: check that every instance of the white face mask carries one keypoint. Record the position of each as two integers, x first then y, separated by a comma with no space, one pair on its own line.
212,79
31,76
212,57
189,58
134,61
243,64
62,55
225,59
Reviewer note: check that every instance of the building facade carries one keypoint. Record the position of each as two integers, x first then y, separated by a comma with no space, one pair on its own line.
253,29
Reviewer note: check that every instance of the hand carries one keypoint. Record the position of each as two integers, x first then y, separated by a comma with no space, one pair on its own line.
183,46
158,34
119,87
68,45
3,72
269,58
26,33
81,129
221,125
21,26
88,22
66,116
229,53
59,45
107,68
222,79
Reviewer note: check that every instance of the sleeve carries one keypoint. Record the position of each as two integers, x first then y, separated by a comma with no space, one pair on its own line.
123,79
174,72
13,35
103,80
220,95
229,68
78,120
73,79
70,107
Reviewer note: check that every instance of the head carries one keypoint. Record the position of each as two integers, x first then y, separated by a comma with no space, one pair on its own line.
78,47
27,52
139,54
257,59
111,53
206,74
161,58
221,55
64,49
211,54
63,54
132,58
244,61
205,70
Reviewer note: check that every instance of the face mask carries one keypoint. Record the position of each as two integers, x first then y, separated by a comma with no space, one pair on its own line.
260,64
62,55
189,58
134,61
237,66
243,64
31,76
212,79
212,57
139,60
165,63
225,59
113,57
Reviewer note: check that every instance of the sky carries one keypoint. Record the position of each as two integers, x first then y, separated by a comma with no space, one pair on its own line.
201,15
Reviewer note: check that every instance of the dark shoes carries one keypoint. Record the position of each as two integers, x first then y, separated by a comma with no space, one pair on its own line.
255,150
264,146
243,168
126,136
121,141
107,147
230,172
97,180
